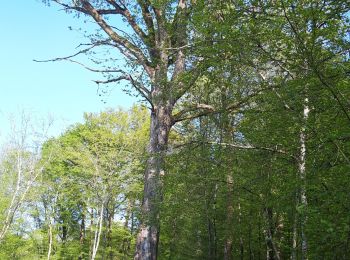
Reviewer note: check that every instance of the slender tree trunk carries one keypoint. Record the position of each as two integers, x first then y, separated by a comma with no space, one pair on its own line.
251,253
241,246
211,237
148,236
97,233
212,240
82,235
91,232
229,218
260,237
50,240
110,216
302,174
295,231
272,252
82,229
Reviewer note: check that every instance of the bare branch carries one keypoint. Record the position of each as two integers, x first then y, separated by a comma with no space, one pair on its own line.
134,50
68,7
120,78
92,45
126,13
144,92
97,70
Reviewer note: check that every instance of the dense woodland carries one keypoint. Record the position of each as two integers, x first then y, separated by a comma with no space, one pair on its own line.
238,149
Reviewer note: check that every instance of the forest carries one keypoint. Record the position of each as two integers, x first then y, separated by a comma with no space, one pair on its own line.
239,146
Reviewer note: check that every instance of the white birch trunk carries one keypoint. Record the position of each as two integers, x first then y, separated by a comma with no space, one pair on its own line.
302,175
97,233
295,236
50,240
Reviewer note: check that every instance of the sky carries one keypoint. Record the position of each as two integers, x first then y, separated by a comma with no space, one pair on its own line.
61,90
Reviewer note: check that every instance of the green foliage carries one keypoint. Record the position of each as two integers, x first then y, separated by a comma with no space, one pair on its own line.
234,172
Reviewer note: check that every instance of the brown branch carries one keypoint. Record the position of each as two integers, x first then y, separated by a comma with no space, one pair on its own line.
147,17
96,70
330,89
184,88
205,110
134,50
180,35
120,78
126,13
142,90
68,7
92,45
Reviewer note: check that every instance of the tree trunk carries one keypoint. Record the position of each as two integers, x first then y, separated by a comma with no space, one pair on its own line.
148,236
82,235
110,217
241,246
50,240
97,233
295,230
272,252
229,218
82,229
302,174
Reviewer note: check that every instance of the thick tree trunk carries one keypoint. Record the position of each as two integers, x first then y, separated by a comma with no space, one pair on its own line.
148,236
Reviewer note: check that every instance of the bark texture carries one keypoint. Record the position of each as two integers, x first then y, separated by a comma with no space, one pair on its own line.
147,239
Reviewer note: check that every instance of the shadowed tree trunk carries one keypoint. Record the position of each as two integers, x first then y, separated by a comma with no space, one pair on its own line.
148,236
272,250
229,218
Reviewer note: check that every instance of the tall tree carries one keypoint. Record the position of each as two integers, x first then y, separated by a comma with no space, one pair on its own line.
156,44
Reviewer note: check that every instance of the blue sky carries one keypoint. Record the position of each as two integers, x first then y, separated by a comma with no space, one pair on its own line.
30,30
